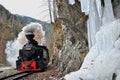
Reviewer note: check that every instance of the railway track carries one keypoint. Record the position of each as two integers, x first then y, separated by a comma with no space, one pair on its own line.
1,71
17,76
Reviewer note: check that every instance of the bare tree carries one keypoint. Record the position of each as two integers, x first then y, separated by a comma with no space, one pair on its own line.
54,10
49,6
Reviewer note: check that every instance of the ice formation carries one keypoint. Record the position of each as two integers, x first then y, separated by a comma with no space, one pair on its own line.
103,58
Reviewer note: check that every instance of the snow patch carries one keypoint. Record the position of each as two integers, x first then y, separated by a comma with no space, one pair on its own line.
5,68
71,2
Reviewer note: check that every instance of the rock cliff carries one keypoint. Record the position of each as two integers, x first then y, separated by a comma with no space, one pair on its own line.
116,8
70,38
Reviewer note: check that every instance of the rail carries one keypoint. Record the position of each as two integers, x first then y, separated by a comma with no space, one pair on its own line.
16,76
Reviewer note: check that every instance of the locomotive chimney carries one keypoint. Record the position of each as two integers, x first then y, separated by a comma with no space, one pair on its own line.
29,36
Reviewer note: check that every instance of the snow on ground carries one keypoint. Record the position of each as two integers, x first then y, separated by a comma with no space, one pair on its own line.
5,68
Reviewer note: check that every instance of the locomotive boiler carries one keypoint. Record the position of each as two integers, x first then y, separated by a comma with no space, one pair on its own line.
32,57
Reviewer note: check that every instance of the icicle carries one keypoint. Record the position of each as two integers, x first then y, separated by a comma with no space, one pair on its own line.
108,15
85,6
94,23
99,8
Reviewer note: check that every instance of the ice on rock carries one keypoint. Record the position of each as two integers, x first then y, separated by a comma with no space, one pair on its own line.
84,7
71,2
103,58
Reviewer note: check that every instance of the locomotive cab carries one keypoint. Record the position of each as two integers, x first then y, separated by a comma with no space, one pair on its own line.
31,56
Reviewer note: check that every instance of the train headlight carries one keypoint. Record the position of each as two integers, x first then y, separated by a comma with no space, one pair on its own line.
38,57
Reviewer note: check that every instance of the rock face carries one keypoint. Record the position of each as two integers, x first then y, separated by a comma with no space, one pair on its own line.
57,41
74,45
116,8
10,26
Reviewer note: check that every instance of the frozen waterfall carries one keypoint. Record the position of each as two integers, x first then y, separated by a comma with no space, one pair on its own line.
98,15
103,58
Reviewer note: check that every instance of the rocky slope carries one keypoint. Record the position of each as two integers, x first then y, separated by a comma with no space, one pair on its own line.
72,32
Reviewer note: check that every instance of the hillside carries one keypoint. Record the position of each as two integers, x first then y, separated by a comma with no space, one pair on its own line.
10,26
27,20
46,26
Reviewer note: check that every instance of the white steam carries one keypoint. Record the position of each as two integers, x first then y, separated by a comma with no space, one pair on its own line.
12,47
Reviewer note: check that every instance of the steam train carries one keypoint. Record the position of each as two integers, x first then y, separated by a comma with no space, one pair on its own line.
32,57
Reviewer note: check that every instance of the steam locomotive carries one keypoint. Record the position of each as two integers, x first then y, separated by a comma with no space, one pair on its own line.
32,57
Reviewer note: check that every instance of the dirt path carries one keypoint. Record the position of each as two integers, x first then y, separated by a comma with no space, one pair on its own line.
52,73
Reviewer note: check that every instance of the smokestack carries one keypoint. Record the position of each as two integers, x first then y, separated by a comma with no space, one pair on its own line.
29,36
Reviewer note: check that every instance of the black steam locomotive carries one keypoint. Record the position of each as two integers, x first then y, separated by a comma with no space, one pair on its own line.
32,57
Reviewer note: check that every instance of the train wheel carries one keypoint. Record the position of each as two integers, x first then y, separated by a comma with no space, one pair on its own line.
41,65
18,64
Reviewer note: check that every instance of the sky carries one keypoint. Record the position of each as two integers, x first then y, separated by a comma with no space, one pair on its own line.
37,9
